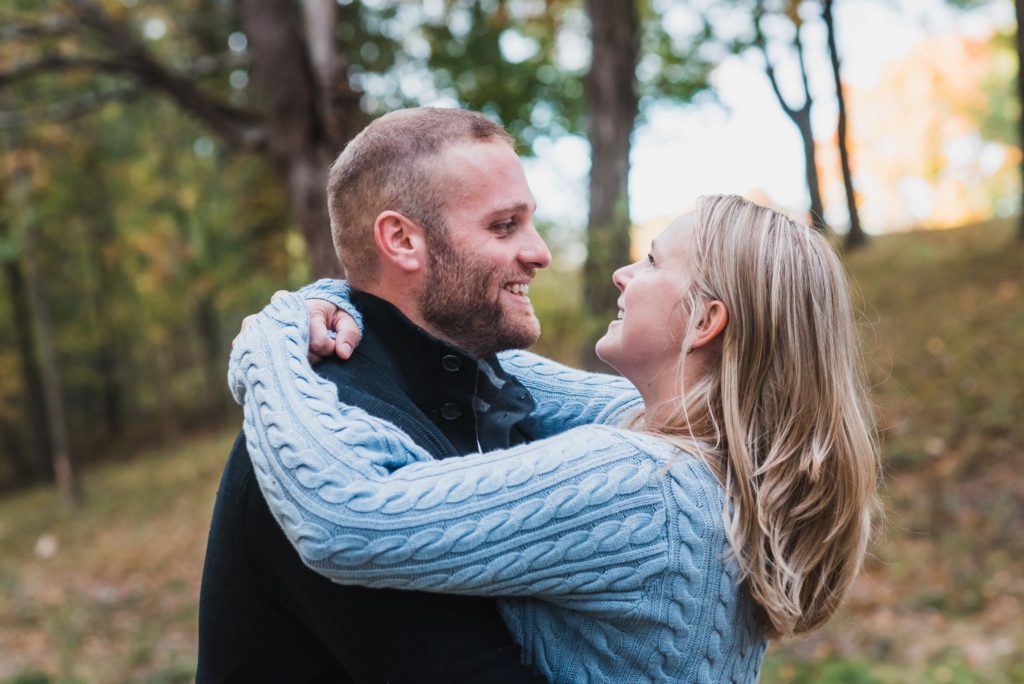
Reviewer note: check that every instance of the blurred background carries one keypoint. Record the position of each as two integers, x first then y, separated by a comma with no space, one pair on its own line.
162,174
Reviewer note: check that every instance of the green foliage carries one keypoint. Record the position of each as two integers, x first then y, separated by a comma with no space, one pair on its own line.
999,119
531,93
154,241
31,677
968,4
536,86
839,671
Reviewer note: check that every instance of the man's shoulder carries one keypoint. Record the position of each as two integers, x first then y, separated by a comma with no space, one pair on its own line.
361,380
371,385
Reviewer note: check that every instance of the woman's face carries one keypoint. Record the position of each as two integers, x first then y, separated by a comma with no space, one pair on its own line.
646,340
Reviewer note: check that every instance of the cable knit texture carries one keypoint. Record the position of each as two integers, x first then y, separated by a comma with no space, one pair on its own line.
565,397
611,567
337,293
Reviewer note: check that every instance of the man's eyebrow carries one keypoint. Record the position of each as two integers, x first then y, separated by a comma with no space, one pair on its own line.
518,207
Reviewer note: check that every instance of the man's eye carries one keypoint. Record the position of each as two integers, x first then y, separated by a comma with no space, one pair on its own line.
505,227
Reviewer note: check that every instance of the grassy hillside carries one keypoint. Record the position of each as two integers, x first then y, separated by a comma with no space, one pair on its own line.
108,594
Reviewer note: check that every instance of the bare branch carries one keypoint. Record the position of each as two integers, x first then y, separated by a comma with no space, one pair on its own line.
798,45
56,63
240,127
207,65
51,27
762,44
68,110
333,93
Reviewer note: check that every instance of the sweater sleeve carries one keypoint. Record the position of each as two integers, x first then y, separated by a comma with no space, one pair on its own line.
335,291
567,397
579,514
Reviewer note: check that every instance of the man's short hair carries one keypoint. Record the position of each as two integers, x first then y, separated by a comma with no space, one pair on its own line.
390,165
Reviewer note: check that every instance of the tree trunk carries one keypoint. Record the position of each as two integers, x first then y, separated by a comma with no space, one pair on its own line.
63,464
101,232
800,116
803,122
306,127
214,353
31,378
855,237
612,110
1019,5
38,317
10,443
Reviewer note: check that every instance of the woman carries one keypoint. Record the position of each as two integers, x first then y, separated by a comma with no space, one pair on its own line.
665,545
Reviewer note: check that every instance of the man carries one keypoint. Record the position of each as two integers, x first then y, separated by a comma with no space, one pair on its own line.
432,216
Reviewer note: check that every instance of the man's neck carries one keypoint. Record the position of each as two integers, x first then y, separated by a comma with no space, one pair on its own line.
407,302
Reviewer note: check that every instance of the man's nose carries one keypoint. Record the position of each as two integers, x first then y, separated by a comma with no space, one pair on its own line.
535,251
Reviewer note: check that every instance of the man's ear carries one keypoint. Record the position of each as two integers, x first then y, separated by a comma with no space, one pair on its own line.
400,241
716,316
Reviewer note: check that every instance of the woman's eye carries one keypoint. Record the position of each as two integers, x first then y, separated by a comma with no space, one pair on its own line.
650,259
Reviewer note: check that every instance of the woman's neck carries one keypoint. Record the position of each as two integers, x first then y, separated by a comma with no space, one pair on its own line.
662,390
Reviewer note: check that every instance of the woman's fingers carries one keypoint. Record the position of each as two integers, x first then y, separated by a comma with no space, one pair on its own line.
321,343
348,335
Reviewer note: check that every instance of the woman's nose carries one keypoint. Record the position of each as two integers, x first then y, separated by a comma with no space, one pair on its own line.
621,277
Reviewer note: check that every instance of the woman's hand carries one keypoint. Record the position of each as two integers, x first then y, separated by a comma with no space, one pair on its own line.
331,330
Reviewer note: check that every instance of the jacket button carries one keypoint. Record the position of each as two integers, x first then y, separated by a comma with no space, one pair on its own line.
451,363
450,411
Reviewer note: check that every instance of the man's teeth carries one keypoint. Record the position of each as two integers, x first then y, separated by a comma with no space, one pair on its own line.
619,315
518,288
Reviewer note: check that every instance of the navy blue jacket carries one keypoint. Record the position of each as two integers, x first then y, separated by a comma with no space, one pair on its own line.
265,617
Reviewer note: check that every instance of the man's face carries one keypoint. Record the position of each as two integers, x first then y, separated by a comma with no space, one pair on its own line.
477,284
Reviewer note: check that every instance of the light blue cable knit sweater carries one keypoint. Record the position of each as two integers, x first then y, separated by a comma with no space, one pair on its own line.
610,567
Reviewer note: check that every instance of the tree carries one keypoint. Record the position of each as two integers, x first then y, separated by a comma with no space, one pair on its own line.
153,238
855,237
612,109
65,471
309,108
800,115
31,376
1018,6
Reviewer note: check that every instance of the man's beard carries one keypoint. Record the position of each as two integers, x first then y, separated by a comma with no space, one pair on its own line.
462,301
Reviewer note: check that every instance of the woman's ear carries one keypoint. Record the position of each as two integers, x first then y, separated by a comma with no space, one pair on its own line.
715,318
400,241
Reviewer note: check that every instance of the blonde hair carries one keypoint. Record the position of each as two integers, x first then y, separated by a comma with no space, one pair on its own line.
783,417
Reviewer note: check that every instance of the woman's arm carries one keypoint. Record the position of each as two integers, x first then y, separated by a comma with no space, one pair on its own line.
566,397
579,514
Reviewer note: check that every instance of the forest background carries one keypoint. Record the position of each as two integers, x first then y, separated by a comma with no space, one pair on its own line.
162,173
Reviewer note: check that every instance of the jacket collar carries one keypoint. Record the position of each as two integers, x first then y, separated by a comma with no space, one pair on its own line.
470,399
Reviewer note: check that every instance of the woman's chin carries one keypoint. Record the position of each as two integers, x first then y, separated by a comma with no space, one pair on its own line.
604,349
